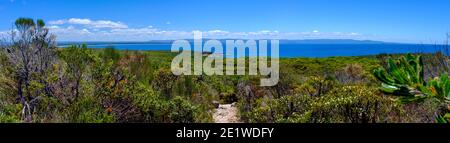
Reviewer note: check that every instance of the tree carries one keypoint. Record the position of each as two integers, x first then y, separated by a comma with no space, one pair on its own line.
33,51
110,53
77,58
164,81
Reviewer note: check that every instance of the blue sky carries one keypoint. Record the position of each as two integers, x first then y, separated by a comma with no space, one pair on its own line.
412,21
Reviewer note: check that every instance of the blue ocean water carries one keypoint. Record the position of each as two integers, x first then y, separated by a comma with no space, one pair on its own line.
309,50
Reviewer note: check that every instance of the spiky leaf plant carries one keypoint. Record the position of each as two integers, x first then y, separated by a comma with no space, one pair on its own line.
403,77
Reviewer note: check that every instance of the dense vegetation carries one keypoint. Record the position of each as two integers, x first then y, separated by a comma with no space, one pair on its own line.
336,90
40,82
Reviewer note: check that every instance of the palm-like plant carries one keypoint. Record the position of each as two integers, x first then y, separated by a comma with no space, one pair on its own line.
403,77
439,87
443,119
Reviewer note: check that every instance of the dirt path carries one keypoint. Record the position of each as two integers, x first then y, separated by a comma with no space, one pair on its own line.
226,113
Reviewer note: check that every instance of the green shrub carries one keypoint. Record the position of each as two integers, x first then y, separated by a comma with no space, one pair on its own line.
443,119
292,109
87,109
353,104
439,87
110,54
351,74
182,111
259,113
164,81
153,108
347,104
10,113
425,111
316,86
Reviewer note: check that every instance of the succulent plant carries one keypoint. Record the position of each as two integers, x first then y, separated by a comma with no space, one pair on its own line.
439,87
403,77
443,119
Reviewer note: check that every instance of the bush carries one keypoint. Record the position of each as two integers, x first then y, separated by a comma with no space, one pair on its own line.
87,109
347,104
353,104
10,113
247,100
163,82
351,74
426,111
152,108
292,109
316,86
182,111
110,54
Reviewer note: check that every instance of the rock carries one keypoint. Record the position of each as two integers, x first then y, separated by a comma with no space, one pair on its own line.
216,104
226,114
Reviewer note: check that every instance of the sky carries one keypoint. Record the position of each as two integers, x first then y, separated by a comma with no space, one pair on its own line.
407,21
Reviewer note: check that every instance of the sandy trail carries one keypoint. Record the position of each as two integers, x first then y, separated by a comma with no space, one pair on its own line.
226,113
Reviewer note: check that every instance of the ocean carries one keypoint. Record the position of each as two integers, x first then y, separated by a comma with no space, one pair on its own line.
290,50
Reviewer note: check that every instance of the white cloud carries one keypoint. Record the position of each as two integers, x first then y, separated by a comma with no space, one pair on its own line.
82,29
79,21
149,33
53,27
86,31
91,23
57,22
73,33
213,33
68,32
